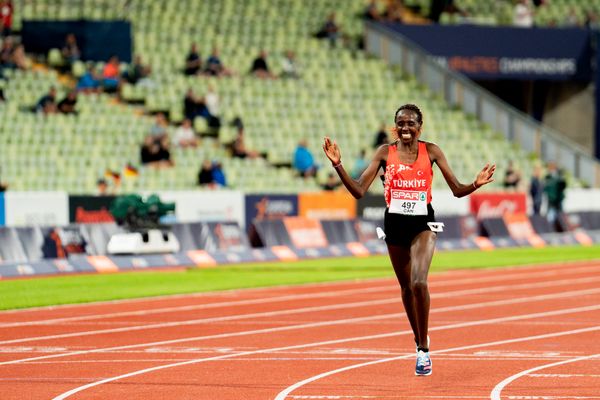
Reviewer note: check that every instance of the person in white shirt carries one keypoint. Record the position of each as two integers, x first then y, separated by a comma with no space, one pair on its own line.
523,14
185,135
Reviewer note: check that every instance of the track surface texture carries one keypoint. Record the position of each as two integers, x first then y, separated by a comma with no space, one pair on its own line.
511,333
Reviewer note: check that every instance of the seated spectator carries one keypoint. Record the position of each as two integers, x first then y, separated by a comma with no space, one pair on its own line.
70,50
193,62
239,149
6,53
111,76
90,81
137,71
212,101
304,161
219,174
330,30
360,164
194,106
260,68
393,11
67,105
332,182
381,137
523,14
512,177
47,103
289,67
155,152
205,175
20,59
6,15
185,136
160,127
214,66
371,12
102,187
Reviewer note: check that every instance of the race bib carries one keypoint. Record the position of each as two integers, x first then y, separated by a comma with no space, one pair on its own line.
407,202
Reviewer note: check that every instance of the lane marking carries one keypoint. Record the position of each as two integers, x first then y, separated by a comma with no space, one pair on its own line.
397,299
284,393
495,395
497,272
300,326
333,293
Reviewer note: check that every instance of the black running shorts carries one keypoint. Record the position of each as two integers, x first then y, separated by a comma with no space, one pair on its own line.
400,230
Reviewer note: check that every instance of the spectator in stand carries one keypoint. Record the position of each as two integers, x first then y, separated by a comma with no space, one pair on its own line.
70,50
47,103
572,19
20,59
6,15
102,187
371,12
512,177
523,14
111,76
90,81
394,10
536,190
330,30
193,62
155,152
160,128
260,67
591,20
381,137
67,105
185,136
205,175
219,174
289,67
194,106
212,101
554,188
332,182
214,65
304,162
137,71
239,148
6,53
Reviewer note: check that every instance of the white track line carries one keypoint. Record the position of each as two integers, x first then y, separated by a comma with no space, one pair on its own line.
495,395
333,293
336,322
547,270
285,392
455,293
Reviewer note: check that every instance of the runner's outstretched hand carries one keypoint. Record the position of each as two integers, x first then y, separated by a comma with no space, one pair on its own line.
332,151
485,176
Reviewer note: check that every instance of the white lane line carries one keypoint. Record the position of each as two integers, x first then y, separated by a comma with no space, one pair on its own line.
456,293
288,390
284,393
522,271
333,293
309,325
495,395
263,300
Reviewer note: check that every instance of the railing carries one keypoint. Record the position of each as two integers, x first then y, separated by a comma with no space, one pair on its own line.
458,91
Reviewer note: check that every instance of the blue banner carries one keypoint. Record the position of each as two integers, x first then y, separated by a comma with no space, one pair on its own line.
2,216
268,206
506,53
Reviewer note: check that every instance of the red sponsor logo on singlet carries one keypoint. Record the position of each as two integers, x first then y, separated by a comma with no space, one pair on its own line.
405,195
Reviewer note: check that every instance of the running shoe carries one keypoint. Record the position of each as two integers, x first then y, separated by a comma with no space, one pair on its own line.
423,364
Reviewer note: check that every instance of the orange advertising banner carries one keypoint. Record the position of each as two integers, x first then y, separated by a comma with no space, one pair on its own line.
305,232
519,227
327,205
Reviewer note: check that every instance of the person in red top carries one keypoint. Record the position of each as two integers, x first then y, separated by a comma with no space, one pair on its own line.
409,220
6,16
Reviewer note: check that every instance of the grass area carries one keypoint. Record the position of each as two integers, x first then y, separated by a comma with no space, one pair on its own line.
20,293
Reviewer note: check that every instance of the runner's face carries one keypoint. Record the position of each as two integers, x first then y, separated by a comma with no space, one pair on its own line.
407,126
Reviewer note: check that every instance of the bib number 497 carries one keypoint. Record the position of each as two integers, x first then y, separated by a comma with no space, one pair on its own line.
408,202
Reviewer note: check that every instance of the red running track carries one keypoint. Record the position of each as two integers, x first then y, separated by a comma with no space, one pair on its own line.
519,333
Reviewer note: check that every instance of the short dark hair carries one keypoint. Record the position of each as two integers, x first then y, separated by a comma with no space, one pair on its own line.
413,108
